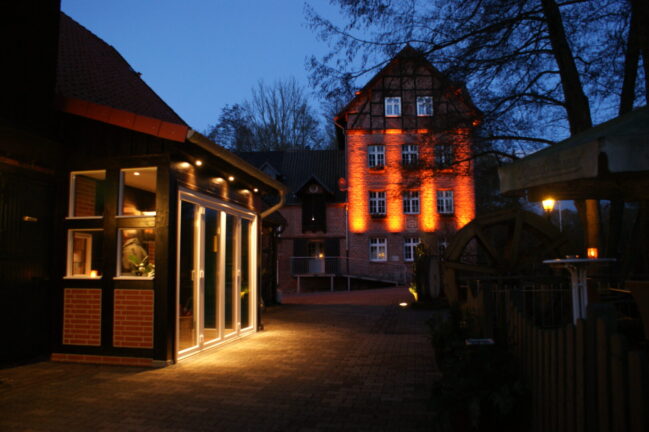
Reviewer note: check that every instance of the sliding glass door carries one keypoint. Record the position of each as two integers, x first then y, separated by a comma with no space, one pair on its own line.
216,283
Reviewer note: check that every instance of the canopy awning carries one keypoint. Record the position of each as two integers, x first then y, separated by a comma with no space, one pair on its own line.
608,161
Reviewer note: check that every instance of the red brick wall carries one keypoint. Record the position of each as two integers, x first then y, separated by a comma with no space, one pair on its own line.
133,318
85,191
82,316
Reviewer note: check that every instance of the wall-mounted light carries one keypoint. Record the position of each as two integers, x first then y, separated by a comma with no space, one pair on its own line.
218,180
244,191
592,253
199,162
184,165
548,204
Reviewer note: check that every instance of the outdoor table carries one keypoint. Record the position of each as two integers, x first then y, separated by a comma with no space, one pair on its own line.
578,268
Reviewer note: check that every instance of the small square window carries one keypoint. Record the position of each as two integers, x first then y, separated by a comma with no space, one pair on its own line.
392,106
378,249
85,253
137,252
87,193
409,155
138,192
424,106
411,202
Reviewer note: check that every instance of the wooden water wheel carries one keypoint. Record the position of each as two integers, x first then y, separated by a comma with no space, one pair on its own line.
503,244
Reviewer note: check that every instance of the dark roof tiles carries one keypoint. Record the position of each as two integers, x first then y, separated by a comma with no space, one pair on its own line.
298,166
91,70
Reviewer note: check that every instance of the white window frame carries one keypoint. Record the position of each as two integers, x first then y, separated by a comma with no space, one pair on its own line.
376,156
377,203
445,203
72,197
424,106
409,246
392,106
409,154
411,202
378,245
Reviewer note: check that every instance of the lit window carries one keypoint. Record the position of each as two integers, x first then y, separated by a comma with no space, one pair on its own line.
138,191
84,253
87,193
409,247
377,203
411,202
378,249
409,155
444,156
376,156
445,202
424,106
392,106
136,252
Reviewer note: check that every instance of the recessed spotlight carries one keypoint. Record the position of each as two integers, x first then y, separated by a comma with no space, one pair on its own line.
244,191
184,165
255,190
231,178
218,180
199,162
136,173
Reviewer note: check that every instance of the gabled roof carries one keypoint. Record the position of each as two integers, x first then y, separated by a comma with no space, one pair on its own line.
297,167
92,71
407,53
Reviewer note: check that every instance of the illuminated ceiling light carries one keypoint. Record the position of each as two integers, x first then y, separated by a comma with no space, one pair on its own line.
244,191
255,190
136,173
231,178
184,165
199,162
403,304
218,180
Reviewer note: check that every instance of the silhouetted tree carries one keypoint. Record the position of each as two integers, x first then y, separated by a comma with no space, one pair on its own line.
276,117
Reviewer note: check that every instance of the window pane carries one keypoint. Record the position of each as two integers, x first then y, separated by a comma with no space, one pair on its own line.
245,273
87,189
85,253
137,246
424,106
393,106
138,192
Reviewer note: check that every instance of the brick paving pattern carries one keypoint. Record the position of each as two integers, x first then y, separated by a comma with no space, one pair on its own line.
325,362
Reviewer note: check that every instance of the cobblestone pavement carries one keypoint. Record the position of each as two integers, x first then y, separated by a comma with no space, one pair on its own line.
325,362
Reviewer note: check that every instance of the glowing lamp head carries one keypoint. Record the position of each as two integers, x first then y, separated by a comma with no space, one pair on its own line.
548,204
592,253
231,178
199,162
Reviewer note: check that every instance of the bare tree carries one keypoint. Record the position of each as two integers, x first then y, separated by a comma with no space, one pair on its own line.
276,117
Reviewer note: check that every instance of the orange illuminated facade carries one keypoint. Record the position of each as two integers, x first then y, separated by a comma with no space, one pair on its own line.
408,173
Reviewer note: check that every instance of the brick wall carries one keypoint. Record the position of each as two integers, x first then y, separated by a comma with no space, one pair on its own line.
82,316
85,192
133,318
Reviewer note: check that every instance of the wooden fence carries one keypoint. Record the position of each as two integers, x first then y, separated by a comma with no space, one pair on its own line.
582,377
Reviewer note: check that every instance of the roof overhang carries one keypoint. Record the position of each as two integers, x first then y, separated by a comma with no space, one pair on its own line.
609,161
124,119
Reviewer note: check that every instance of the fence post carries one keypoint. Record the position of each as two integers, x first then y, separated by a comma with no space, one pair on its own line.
602,367
561,379
571,374
638,392
619,383
580,376
552,379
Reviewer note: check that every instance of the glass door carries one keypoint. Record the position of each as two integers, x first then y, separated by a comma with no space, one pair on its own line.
216,269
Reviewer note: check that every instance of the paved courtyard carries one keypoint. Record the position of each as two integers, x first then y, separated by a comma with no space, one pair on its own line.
325,362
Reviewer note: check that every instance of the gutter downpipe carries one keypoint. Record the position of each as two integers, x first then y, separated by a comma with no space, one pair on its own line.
220,152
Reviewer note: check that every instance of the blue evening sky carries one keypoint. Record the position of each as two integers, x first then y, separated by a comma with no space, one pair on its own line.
199,55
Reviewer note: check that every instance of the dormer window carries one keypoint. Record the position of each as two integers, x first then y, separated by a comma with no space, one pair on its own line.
392,106
424,106
314,210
